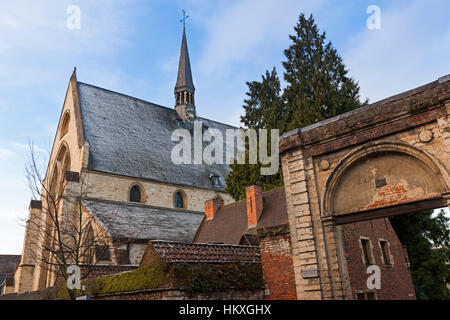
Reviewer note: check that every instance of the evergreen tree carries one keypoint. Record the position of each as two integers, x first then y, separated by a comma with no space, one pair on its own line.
427,240
317,84
264,109
317,88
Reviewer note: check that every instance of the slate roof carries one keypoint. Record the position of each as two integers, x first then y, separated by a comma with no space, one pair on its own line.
8,263
177,252
132,137
229,224
141,222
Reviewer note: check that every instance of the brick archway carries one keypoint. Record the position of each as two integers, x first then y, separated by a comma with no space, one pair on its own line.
390,157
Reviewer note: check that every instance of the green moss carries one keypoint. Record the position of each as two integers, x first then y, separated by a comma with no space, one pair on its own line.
192,278
210,277
60,292
145,277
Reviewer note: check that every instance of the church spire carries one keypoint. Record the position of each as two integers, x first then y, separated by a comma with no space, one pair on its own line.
184,89
184,79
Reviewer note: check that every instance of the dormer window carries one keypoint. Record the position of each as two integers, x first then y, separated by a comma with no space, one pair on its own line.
215,180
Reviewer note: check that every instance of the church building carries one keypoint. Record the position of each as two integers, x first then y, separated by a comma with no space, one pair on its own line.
115,152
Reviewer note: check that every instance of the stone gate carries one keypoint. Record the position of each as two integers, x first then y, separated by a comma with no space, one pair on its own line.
387,158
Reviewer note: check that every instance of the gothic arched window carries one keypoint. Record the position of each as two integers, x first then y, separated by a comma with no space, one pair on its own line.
89,244
135,194
178,201
65,124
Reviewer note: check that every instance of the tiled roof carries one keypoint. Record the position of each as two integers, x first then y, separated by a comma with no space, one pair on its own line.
177,252
230,221
132,137
132,221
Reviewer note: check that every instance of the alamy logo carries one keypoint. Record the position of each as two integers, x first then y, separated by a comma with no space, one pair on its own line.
374,281
233,143
374,20
74,277
74,20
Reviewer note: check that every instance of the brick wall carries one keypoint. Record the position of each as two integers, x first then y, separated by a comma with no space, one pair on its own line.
278,269
150,257
176,294
396,281
390,195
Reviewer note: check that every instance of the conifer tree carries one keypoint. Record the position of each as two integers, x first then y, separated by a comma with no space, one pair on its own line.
264,109
427,241
318,87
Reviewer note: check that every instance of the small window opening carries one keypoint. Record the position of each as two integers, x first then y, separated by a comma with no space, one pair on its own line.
385,252
178,201
135,194
367,256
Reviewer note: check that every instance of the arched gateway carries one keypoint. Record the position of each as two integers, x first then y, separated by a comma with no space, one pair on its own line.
387,158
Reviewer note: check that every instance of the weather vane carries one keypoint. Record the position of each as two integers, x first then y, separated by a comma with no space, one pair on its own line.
184,18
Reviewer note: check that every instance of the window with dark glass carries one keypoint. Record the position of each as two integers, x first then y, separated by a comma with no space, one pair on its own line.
215,179
135,194
369,295
385,252
366,251
178,200
65,125
360,296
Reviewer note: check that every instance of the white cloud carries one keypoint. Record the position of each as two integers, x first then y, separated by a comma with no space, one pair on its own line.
42,25
25,148
6,154
34,34
409,50
240,31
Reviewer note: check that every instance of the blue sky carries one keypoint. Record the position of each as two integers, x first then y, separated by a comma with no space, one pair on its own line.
132,46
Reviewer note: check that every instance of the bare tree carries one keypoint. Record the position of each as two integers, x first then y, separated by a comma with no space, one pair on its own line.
65,233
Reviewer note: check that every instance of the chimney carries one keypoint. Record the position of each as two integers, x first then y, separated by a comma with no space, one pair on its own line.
211,207
254,205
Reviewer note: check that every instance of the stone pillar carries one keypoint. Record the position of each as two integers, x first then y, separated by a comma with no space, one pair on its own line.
318,263
25,271
304,253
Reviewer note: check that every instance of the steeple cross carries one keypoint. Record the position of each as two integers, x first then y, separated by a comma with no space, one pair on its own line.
184,18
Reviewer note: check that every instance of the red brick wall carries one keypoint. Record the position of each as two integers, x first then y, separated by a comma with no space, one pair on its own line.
278,269
150,257
175,294
254,201
211,207
389,195
396,281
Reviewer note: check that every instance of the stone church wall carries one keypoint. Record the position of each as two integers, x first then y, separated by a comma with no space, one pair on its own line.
116,188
